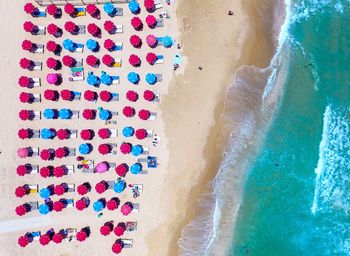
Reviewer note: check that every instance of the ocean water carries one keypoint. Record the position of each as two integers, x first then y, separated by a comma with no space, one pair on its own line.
296,198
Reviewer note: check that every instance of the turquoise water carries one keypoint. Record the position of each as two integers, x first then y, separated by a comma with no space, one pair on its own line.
297,195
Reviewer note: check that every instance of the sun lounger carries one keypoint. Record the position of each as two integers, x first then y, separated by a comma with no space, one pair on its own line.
135,208
36,134
119,29
71,187
70,168
39,49
160,59
115,79
118,11
37,115
149,133
117,63
158,4
36,82
33,188
77,74
42,12
159,77
35,235
33,205
131,226
77,95
110,184
153,116
114,133
127,243
72,152
80,11
35,169
118,46
71,232
145,151
74,133
81,30
80,48
38,66
70,203
37,97
160,23
42,30
79,63
35,151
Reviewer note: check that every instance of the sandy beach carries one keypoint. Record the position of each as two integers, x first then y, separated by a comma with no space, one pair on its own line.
188,123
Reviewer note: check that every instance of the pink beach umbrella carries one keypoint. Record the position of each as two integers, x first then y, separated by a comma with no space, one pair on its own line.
21,210
27,45
25,97
87,134
52,9
63,134
81,235
106,96
60,189
84,188
113,203
120,229
151,40
132,96
149,5
101,187
58,206
151,21
81,204
46,171
70,10
23,241
136,23
128,111
90,95
105,230
52,63
109,44
125,148
46,154
151,58
93,11
52,78
23,169
29,8
57,238
24,81
25,115
26,63
44,239
135,41
144,114
54,30
70,27
126,208
104,149
29,27
51,46
52,95
25,133
22,152
92,61
104,133
102,167
109,26
108,60
61,152
117,248
59,171
21,191
149,95
141,134
67,95
121,169
134,60
68,61
94,30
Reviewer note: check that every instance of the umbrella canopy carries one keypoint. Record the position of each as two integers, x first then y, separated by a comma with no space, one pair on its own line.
61,152
99,205
27,45
120,229
117,248
149,95
89,114
108,60
128,111
81,236
69,45
106,96
70,27
26,63
92,79
51,46
92,45
104,149
44,209
65,113
135,41
21,210
109,9
101,187
59,171
87,134
92,10
126,208
151,40
24,81
128,131
119,186
83,189
102,167
45,193
25,97
167,41
68,61
60,189
141,134
151,58
52,29
52,63
125,148
113,203
21,191
23,241
104,133
29,8
136,168
151,21
52,9
23,152
45,172
44,239
137,150
149,4
109,44
57,238
105,230
67,95
136,22
93,29
134,60
109,26
133,77
52,78
29,26
134,7
85,148
92,60
90,95
105,114
63,134
25,133
144,114
151,78
106,79
58,206
23,169
69,9
122,169
132,96
80,204
47,133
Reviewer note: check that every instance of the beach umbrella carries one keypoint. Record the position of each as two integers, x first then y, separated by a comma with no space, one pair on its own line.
98,206
121,169
133,77
128,111
135,41
68,61
92,10
92,61
149,4
105,114
22,169
151,40
69,45
59,189
70,9
151,58
151,21
57,238
23,241
136,23
134,7
52,78
141,134
46,155
65,113
52,63
92,79
21,191
44,193
109,44
63,134
52,9
94,30
105,96
59,171
104,133
126,208
137,150
80,204
149,95
106,79
45,172
119,186
90,95
25,114
25,97
109,9
24,81
167,41
52,29
113,203
49,113
58,206
117,248
27,45
136,168
92,45
21,210
44,209
44,239
102,167
26,63
144,114
29,8
108,60
105,230
151,78
128,131
120,229
47,133
109,26
81,236
25,133
101,187
134,60
87,134
85,148
22,152
89,114
67,95
83,189
125,148
61,152
104,149
29,26
70,27
51,46
132,96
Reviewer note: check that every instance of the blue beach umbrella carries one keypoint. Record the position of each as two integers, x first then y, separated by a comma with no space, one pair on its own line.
46,134
137,150
104,114
69,45
106,79
133,77
65,113
151,78
128,131
92,45
85,148
109,8
44,209
49,113
167,41
134,7
119,186
136,168
45,193
92,79
98,206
